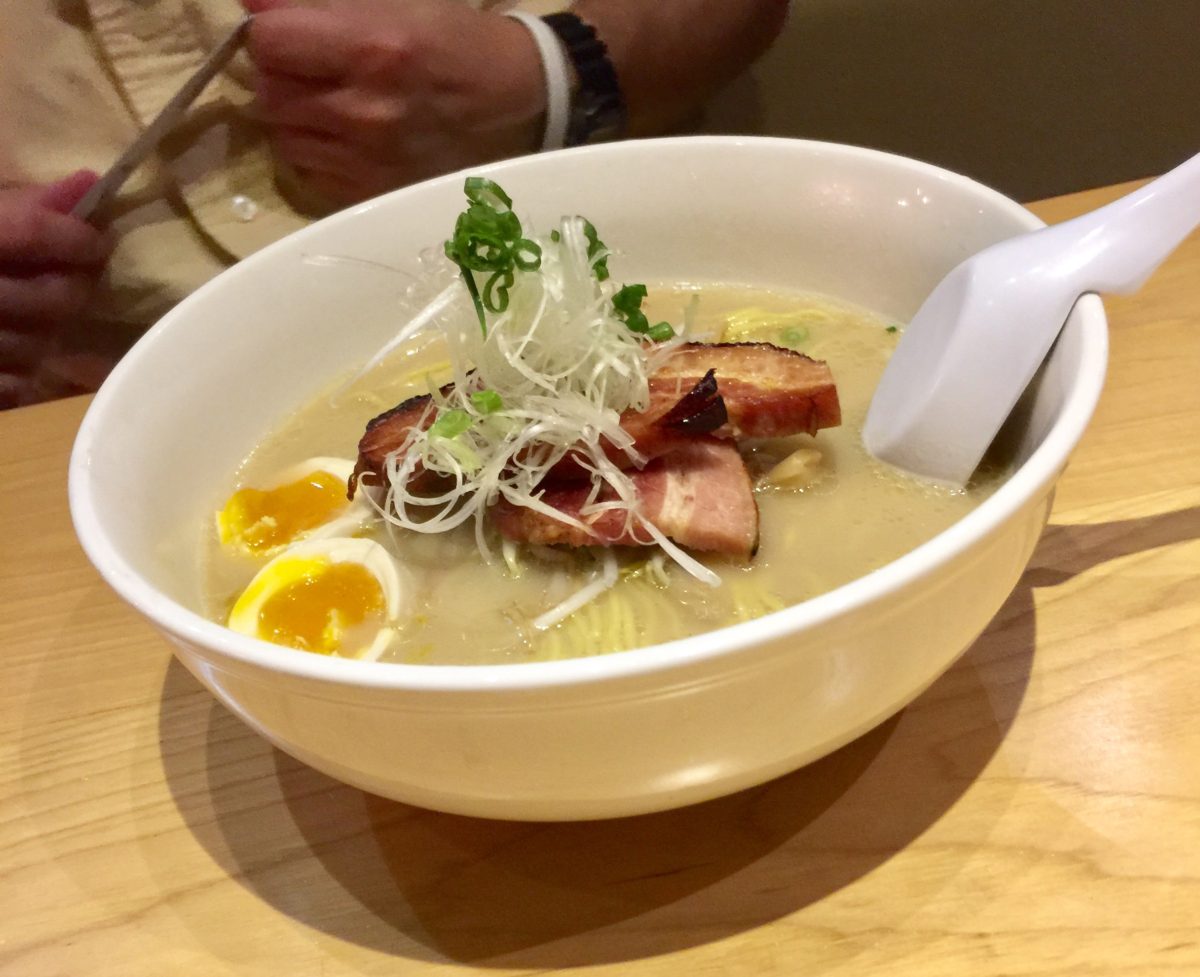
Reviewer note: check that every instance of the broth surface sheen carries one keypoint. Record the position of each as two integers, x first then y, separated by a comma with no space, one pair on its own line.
855,516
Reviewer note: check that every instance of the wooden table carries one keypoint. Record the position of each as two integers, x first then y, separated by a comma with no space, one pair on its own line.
1037,812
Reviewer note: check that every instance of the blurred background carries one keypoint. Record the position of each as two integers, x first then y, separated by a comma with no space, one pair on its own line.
1033,97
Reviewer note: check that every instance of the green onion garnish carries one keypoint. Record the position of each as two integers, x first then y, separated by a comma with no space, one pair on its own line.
892,328
487,238
450,424
481,190
627,306
596,247
627,302
486,401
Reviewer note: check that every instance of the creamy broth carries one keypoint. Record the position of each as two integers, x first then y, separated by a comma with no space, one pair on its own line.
855,516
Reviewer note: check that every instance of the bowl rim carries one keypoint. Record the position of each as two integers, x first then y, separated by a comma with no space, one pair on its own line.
209,637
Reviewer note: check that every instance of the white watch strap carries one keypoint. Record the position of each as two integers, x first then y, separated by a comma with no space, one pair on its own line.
558,79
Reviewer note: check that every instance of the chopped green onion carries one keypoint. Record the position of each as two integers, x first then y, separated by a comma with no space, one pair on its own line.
628,301
450,424
487,238
596,247
627,306
481,190
892,328
495,290
486,401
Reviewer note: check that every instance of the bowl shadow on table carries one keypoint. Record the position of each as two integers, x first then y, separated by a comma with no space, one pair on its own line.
433,886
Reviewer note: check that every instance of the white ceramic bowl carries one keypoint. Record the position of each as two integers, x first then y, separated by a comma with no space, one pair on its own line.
612,735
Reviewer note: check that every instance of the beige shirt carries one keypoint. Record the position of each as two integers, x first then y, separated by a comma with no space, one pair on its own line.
78,81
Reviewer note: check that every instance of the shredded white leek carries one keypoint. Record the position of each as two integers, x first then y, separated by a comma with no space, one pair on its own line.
605,579
414,326
548,377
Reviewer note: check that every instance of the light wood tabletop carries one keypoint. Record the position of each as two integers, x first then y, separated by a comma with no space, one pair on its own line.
1036,812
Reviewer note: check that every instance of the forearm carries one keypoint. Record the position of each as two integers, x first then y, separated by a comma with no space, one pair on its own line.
671,55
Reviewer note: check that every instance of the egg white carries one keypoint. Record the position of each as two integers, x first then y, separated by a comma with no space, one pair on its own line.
357,516
275,575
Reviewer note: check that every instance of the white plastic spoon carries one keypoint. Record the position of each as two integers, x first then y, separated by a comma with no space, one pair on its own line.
977,341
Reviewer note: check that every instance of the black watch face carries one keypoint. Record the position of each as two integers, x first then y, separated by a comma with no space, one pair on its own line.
596,121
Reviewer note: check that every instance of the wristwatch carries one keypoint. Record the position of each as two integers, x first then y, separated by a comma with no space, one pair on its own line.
597,112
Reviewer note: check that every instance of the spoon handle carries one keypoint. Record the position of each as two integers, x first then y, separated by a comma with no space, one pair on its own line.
1116,248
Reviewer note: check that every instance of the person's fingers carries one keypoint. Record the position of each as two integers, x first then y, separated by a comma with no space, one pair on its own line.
67,192
344,188
372,121
331,186
335,170
306,149
304,43
32,234
285,101
34,303
262,6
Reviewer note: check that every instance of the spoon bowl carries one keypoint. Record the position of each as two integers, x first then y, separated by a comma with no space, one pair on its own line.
980,336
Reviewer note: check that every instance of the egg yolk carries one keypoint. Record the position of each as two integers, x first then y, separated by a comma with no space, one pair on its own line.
261,519
326,607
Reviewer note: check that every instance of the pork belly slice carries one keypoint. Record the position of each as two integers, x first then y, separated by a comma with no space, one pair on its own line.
763,391
673,418
385,434
669,421
769,392
699,495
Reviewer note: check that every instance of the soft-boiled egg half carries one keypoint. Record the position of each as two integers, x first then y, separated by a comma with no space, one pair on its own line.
332,596
305,501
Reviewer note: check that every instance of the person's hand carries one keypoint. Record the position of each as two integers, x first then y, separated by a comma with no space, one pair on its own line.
363,96
49,264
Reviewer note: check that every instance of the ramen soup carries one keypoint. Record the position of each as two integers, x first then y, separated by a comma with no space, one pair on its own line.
828,514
